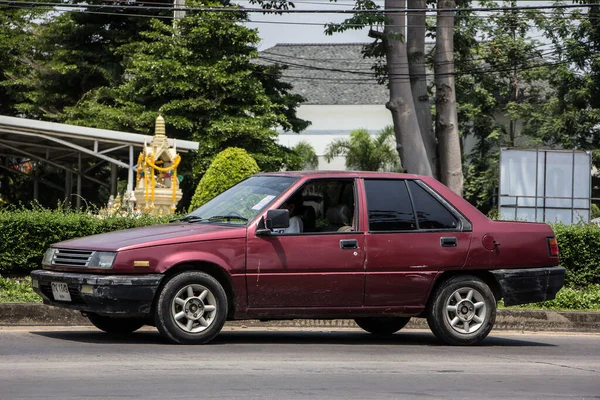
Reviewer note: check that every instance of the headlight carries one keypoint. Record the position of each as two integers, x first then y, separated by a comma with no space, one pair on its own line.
102,259
48,256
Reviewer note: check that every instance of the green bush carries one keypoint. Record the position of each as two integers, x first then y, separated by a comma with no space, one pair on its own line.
26,234
579,250
569,298
229,167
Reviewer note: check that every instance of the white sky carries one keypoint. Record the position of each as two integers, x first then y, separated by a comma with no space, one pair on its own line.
309,28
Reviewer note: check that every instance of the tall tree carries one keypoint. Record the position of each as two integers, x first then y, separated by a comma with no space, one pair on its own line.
410,144
415,40
72,53
445,99
217,97
571,115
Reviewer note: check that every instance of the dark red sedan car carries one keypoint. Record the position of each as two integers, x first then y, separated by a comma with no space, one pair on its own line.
379,248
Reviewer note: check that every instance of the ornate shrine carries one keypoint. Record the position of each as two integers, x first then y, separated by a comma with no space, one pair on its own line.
157,185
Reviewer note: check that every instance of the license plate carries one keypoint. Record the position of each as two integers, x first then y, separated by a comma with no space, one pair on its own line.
60,291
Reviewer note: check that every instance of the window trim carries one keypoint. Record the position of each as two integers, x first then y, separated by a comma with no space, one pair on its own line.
353,180
465,224
403,180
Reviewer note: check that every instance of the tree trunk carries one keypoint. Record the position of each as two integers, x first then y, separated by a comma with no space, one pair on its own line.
406,126
446,116
415,40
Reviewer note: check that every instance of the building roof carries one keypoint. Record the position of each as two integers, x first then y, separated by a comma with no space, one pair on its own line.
328,73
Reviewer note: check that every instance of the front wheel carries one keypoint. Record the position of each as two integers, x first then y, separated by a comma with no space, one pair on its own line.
462,311
382,326
191,308
118,326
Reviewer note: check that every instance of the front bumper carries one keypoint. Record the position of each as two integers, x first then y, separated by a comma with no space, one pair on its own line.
101,294
531,285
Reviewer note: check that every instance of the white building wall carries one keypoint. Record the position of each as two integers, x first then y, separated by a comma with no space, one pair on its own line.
334,118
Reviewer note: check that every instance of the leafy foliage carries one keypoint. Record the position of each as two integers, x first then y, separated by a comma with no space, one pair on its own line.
26,234
308,159
569,298
17,290
579,253
366,153
228,168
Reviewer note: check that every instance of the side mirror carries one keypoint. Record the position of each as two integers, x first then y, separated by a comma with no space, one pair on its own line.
275,219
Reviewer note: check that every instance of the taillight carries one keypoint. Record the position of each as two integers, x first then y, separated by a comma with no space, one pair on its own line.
553,247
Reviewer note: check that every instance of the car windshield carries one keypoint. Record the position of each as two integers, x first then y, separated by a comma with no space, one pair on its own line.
241,203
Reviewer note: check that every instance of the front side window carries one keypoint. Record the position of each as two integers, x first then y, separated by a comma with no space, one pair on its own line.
430,212
322,206
389,206
243,202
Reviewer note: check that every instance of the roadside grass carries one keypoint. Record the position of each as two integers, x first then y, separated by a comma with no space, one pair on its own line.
18,290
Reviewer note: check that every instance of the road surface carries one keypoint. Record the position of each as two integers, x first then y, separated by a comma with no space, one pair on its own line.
281,363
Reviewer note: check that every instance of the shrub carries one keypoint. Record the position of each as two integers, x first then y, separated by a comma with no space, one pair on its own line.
569,298
579,249
229,167
26,234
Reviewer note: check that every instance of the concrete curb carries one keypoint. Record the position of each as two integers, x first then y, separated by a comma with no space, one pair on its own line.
27,314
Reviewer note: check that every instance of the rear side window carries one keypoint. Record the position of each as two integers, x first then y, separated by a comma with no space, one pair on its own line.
430,212
389,206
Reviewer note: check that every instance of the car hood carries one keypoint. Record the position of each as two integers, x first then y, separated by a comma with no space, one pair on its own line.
156,235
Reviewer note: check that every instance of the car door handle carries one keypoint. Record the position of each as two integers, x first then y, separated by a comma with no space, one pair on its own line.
348,244
448,241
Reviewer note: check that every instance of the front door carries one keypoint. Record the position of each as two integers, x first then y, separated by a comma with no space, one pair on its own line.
320,268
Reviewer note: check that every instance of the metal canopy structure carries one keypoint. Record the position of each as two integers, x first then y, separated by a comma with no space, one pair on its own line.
68,147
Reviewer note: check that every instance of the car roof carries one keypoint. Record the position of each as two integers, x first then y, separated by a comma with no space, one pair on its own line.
341,174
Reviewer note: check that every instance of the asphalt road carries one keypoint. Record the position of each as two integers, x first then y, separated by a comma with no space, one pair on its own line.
80,363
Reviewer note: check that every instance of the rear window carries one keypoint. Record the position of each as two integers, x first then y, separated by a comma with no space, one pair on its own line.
430,212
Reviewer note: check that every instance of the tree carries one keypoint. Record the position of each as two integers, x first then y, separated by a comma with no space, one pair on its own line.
216,97
570,117
410,145
404,75
415,41
71,53
446,121
366,153
308,159
229,167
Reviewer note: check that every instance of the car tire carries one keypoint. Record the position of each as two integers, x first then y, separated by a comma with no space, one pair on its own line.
191,308
382,326
462,311
118,326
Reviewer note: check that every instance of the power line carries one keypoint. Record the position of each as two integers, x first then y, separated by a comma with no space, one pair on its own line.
245,10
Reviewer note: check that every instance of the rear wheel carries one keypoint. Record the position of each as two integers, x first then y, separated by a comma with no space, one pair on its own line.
120,326
382,326
191,308
462,311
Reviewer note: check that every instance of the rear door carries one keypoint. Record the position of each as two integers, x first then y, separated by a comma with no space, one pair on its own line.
412,235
